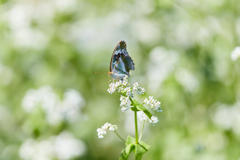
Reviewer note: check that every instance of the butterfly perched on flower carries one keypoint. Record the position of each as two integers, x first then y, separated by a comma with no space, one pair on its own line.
121,63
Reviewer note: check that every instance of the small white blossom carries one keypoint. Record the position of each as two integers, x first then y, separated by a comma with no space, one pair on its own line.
128,89
125,80
135,86
112,88
124,109
235,54
138,89
119,86
128,92
143,117
153,119
156,105
145,100
56,110
63,146
125,103
103,130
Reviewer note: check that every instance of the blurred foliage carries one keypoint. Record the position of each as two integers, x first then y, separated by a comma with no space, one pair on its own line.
181,50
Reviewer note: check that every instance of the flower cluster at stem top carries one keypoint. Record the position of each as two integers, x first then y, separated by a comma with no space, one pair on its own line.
103,130
127,94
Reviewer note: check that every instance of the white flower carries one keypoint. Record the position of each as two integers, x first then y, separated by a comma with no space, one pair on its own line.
125,103
119,86
143,117
138,89
112,88
135,86
124,109
145,100
63,146
128,89
153,119
128,92
103,130
235,54
56,110
156,105
67,147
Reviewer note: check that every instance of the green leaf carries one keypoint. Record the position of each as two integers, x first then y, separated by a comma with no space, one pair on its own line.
141,148
139,107
144,145
125,154
130,146
130,140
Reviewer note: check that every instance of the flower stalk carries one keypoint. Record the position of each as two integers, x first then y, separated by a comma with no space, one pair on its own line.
136,126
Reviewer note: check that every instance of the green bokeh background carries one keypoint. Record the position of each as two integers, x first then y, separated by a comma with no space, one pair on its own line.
182,55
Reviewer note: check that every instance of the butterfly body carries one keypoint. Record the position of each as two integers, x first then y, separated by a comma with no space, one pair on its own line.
121,63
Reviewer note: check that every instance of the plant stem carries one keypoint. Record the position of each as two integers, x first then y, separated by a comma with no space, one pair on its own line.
119,136
136,134
136,127
141,131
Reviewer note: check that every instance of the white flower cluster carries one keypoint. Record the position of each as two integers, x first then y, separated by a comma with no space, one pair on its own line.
56,110
156,105
138,89
125,103
143,117
120,85
103,130
63,146
235,54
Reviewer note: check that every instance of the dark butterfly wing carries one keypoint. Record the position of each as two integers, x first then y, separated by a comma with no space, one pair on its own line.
121,62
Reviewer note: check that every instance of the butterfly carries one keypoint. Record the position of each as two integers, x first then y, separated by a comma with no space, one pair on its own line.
121,63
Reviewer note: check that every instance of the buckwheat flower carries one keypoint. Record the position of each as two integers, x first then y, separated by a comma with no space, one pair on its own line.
103,130
235,54
151,100
117,84
122,97
121,88
140,91
128,92
128,89
112,127
112,88
125,80
156,105
145,100
124,109
143,117
153,119
125,101
135,86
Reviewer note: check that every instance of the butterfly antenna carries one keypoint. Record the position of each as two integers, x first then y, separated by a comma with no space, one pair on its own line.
101,72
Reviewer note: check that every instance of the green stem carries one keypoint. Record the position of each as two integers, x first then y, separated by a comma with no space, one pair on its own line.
119,136
141,131
136,127
136,134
